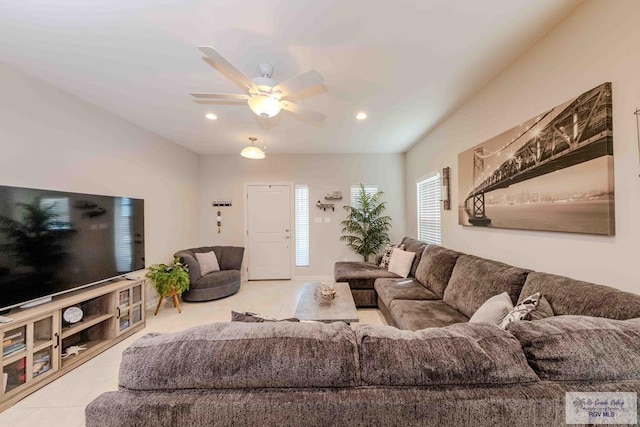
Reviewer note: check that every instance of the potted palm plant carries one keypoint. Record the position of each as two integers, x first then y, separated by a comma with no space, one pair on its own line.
366,230
169,281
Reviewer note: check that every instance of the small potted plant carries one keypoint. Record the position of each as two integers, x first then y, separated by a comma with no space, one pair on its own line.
169,281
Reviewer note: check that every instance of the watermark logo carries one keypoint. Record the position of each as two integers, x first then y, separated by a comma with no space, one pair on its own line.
601,408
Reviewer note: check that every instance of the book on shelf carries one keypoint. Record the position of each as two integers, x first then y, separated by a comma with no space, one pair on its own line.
7,343
40,369
12,336
14,348
44,358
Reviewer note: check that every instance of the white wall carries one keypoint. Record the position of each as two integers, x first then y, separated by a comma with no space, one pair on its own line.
598,42
52,140
222,177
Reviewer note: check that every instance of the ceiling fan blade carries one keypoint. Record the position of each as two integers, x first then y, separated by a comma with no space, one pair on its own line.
219,62
225,96
300,83
305,112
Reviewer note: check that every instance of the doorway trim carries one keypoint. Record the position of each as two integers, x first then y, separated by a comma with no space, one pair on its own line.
245,197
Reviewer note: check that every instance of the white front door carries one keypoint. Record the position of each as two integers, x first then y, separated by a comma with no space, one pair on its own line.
269,231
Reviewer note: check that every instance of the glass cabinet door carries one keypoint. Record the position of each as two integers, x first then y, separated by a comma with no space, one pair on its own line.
46,339
124,298
29,352
130,308
14,374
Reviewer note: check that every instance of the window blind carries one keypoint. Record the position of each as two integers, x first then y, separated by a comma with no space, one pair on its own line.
355,192
59,207
302,225
429,209
123,235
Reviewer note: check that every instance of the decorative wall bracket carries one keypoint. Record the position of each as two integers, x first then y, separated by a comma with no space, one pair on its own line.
325,206
218,203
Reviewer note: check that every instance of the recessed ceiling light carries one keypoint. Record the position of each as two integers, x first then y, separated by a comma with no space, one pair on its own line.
361,116
211,116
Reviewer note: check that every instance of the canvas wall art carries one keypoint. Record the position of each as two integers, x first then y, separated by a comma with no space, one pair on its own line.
552,173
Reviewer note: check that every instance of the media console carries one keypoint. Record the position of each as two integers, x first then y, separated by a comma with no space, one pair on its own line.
38,345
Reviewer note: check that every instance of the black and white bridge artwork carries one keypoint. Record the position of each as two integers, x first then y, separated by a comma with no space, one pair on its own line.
553,172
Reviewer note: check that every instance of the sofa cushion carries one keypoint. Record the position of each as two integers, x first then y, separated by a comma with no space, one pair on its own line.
391,289
414,315
435,268
494,310
401,261
217,278
581,348
243,355
359,275
457,354
542,311
575,297
474,280
416,246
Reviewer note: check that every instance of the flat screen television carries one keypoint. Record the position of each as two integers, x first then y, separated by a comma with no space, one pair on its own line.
52,242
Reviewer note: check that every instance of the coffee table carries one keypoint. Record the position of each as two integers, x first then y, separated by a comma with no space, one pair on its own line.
341,309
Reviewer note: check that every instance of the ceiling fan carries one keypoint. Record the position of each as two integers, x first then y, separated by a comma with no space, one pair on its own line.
264,97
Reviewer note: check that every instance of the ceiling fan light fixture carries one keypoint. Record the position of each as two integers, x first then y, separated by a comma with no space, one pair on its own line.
252,152
264,106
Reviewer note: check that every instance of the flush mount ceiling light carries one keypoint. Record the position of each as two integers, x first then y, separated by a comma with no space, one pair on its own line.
361,116
251,151
211,116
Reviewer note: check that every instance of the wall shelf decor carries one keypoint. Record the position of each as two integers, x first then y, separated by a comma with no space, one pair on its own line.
325,206
334,195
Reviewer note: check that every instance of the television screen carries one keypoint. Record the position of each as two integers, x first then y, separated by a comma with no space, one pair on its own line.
52,242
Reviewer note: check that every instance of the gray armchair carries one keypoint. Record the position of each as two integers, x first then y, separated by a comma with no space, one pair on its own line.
217,284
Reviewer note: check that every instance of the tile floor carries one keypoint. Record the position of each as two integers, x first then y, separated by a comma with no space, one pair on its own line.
62,402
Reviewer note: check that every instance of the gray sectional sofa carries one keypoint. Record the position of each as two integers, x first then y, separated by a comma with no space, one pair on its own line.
447,287
315,374
361,276
415,374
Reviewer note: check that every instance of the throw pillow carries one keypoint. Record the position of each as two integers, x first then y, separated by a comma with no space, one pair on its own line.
494,310
208,262
248,317
542,311
388,249
522,310
401,262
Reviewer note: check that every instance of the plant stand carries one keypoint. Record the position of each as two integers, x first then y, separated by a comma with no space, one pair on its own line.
176,302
